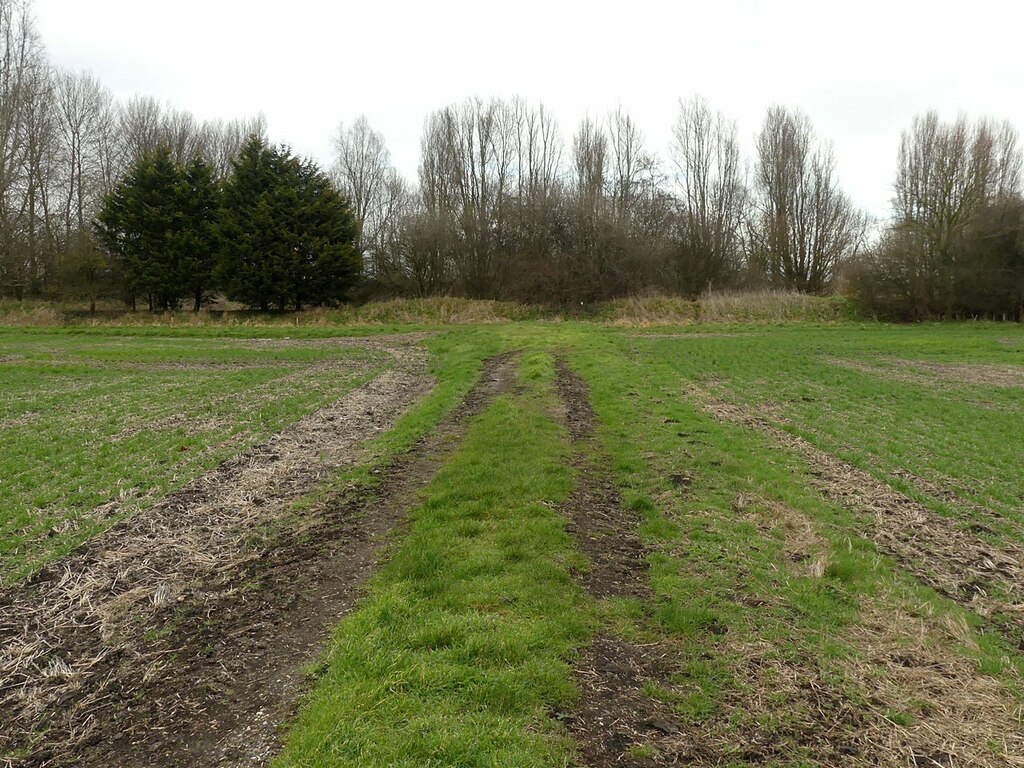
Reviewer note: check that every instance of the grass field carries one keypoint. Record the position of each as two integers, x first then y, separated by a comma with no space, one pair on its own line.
800,544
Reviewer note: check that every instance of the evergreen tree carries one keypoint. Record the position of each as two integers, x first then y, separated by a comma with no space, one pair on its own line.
140,225
198,200
288,238
160,226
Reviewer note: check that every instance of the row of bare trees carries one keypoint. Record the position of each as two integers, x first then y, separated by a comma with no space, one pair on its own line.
505,207
64,143
955,246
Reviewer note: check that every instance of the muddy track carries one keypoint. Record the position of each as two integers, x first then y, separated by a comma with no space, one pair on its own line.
182,638
613,712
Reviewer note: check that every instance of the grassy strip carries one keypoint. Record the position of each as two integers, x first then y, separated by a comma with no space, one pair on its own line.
962,437
461,641
456,361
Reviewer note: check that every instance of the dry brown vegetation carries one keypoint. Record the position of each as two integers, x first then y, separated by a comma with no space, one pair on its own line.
71,640
931,373
899,660
635,312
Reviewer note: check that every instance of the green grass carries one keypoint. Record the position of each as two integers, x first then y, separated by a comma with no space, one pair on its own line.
723,580
89,419
462,640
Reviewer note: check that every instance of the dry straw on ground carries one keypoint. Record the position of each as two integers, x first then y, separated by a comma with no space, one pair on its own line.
948,374
69,639
904,695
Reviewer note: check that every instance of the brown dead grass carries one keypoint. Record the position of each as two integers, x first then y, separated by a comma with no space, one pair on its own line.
767,306
770,306
902,666
805,551
906,663
903,663
954,375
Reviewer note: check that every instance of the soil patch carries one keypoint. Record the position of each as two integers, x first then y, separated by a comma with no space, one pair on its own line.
949,374
614,720
165,365
180,636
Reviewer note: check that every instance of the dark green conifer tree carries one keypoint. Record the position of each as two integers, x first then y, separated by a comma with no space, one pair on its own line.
287,238
198,199
140,224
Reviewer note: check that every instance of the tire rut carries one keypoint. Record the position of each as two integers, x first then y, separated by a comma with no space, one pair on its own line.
613,715
939,551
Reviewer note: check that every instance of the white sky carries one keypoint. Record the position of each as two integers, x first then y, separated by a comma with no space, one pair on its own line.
860,70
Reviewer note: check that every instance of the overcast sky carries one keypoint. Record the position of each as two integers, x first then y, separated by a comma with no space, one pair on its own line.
860,70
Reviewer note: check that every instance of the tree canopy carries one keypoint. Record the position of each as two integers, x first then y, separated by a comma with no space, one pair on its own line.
159,224
288,238
276,233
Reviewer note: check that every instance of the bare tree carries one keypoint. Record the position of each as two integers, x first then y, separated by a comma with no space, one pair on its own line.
141,127
590,162
362,167
946,171
84,116
806,226
42,151
26,147
712,196
538,151
222,141
947,174
466,176
633,169
181,133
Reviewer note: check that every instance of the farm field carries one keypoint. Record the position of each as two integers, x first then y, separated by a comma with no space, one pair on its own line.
512,544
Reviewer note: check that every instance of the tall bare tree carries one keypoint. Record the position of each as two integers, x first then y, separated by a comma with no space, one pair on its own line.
24,127
466,173
947,174
141,127
538,151
222,141
633,169
712,196
362,167
84,110
805,225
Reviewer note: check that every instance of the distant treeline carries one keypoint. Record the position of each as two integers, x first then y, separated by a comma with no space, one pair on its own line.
504,207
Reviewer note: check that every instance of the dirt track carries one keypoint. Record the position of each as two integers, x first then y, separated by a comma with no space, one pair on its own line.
179,636
613,713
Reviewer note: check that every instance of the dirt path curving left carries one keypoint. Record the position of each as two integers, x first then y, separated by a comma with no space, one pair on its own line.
181,638
614,718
